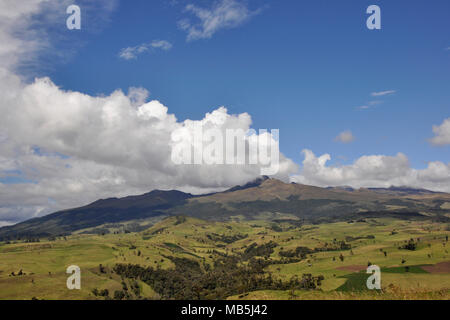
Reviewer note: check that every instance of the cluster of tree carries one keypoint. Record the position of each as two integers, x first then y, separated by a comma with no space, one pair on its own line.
350,238
100,231
410,245
276,228
121,295
132,291
31,237
299,252
337,246
20,273
302,252
229,275
101,268
266,261
100,293
294,223
226,238
148,235
264,250
180,220
32,240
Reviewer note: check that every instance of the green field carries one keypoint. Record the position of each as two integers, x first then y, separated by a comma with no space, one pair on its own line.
406,274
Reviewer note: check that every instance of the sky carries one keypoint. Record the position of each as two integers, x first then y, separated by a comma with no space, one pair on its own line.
359,107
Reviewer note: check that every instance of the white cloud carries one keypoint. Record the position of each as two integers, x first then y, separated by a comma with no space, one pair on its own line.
370,104
442,133
14,19
375,102
345,137
223,14
4,223
383,93
373,171
162,44
23,47
138,96
130,53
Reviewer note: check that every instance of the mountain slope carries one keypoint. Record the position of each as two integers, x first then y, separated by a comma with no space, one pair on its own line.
263,198
273,199
111,210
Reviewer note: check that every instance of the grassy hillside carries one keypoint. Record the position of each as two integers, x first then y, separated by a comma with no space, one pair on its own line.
200,251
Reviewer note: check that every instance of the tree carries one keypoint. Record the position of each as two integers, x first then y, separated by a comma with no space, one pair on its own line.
119,295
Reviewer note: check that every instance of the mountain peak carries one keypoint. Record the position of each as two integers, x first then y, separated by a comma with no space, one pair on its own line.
255,183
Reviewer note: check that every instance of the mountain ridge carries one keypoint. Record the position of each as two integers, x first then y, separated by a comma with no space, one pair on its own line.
262,198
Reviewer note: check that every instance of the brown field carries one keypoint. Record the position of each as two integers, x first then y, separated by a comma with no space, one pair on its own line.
353,268
442,267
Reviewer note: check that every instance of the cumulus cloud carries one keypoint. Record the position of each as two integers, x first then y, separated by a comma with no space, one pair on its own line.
91,147
223,14
383,93
373,171
442,133
345,137
130,53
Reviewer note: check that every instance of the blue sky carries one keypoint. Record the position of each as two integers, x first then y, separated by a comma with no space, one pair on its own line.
301,66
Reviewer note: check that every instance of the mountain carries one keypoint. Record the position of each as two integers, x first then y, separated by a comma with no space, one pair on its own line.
264,198
100,212
274,199
404,190
255,183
